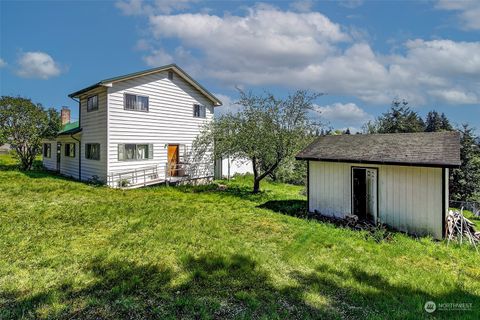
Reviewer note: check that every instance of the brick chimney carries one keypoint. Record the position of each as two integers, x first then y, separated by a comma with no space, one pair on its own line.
65,115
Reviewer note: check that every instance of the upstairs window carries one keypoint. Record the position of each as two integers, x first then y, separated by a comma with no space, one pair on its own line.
199,111
135,102
70,150
129,152
92,151
92,103
170,75
47,150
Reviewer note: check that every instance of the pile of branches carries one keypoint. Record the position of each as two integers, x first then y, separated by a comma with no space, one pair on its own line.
458,227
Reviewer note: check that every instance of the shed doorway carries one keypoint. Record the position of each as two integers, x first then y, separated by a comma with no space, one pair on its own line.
364,193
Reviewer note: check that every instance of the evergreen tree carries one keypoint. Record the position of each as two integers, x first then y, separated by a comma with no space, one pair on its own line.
446,126
435,122
400,118
465,181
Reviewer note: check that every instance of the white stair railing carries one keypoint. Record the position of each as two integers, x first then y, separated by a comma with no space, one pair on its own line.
134,177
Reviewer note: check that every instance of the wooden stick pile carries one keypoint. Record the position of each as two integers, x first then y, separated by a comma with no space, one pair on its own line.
459,227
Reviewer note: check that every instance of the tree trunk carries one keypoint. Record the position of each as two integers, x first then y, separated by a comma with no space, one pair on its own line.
257,178
256,185
256,181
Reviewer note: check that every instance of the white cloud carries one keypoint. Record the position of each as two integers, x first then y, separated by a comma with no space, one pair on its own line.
344,114
37,65
142,45
456,96
468,11
228,106
2,63
158,58
268,46
302,6
140,7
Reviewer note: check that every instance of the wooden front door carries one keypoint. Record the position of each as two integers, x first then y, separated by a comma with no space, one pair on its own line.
172,160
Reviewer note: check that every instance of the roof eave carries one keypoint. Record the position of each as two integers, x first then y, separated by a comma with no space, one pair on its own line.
76,94
109,82
70,132
395,163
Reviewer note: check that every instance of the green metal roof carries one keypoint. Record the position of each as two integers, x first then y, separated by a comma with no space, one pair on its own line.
70,128
174,67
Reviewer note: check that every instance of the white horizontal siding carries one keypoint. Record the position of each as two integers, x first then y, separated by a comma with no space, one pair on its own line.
409,198
68,165
169,119
94,130
50,163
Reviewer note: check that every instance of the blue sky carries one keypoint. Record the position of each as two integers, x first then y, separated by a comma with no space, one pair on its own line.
362,54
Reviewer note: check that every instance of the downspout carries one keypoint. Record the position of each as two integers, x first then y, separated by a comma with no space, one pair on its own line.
79,142
79,157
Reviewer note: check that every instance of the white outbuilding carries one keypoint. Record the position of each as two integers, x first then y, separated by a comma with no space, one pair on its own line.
398,179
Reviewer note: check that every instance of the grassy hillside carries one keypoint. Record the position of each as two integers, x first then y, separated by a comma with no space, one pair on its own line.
70,250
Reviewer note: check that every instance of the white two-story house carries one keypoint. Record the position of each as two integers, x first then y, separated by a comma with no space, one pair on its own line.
135,129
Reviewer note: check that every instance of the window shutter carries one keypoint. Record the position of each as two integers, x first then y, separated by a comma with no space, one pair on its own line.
150,151
73,150
204,111
121,152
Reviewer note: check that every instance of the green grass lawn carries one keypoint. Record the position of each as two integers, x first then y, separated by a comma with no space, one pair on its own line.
70,250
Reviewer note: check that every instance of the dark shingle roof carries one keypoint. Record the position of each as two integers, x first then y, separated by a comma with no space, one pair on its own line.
440,149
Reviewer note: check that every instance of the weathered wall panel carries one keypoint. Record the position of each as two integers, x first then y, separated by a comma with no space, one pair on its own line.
409,198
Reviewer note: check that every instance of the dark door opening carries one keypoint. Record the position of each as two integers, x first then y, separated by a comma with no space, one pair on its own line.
59,154
360,193
364,193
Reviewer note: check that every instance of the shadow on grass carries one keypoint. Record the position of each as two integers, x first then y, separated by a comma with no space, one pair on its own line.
228,287
216,287
294,208
239,191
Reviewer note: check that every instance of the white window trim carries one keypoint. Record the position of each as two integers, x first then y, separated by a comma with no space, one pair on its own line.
74,150
136,95
99,151
96,107
49,148
200,111
149,155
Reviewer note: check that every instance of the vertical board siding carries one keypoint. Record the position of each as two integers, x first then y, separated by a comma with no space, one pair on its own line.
169,119
94,130
50,163
409,198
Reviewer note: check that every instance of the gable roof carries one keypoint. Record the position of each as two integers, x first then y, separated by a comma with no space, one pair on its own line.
437,149
173,67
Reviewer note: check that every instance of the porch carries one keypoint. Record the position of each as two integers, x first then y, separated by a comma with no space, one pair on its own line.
170,173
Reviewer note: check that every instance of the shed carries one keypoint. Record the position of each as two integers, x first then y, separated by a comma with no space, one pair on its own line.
398,179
